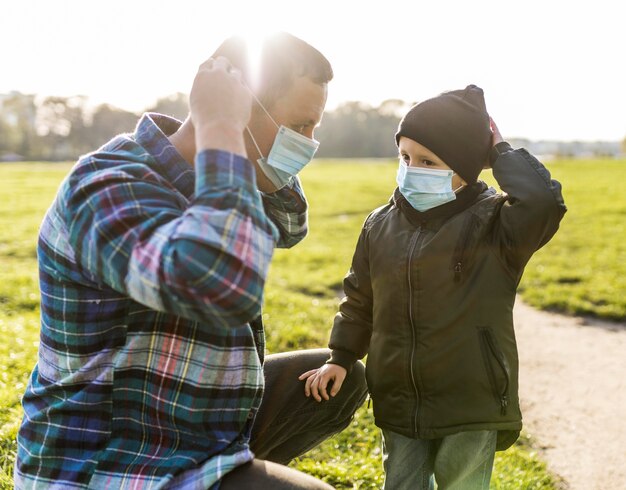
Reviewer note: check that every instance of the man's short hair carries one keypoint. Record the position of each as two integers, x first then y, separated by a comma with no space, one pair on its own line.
284,57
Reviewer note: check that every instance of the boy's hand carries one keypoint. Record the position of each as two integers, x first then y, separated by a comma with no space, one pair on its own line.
317,381
496,137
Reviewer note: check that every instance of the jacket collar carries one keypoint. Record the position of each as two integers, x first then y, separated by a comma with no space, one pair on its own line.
464,200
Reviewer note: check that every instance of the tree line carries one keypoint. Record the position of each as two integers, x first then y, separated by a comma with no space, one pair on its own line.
63,128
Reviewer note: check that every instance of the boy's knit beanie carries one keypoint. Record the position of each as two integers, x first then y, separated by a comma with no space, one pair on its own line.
455,127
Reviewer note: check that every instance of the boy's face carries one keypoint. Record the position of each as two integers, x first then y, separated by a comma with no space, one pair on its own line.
416,155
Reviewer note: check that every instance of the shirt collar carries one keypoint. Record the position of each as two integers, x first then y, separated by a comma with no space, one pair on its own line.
152,133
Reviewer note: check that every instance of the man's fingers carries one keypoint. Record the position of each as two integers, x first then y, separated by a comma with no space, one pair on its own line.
223,63
220,63
207,64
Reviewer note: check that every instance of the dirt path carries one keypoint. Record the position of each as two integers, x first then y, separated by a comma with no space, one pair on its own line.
573,395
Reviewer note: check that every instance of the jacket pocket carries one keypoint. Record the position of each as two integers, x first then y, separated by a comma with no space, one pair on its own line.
497,367
461,249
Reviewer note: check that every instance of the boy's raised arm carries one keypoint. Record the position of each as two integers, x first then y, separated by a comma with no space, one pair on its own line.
535,206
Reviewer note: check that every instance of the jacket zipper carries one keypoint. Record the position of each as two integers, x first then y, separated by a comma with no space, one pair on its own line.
459,253
413,332
504,398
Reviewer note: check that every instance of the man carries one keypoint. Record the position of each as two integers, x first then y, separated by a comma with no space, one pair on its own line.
152,262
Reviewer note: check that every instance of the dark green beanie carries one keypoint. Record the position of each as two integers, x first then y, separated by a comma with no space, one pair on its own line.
455,127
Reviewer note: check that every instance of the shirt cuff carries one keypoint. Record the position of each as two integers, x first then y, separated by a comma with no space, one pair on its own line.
218,169
342,358
290,197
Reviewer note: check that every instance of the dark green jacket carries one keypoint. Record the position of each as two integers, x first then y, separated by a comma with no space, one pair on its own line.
429,298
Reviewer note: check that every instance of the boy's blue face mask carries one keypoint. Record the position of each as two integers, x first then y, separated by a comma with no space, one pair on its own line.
425,188
289,154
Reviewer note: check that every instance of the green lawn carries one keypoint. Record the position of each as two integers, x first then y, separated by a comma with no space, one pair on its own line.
581,271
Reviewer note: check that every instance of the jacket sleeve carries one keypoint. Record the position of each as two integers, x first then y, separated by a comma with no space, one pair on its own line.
206,261
287,208
531,214
352,327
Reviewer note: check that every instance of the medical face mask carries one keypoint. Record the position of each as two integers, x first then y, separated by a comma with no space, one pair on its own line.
290,152
425,188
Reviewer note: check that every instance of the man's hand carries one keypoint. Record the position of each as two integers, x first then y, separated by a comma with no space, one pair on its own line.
220,107
317,381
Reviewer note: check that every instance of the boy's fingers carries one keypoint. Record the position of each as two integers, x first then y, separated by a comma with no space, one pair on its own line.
315,388
307,374
323,385
307,387
336,386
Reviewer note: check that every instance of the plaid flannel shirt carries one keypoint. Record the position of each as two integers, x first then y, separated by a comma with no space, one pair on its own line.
149,372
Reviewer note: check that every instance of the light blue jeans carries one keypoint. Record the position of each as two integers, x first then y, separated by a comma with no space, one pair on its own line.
460,461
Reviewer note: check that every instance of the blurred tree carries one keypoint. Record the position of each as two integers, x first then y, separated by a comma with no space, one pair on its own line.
108,121
18,125
175,105
61,121
5,135
355,129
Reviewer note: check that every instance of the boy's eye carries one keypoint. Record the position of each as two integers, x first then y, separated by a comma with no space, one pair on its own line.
405,158
428,163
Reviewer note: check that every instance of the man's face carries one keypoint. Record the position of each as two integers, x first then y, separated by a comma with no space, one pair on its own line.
300,108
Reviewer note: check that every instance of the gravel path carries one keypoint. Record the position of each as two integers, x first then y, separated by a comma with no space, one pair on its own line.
573,395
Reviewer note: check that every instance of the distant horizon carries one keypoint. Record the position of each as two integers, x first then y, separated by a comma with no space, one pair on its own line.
92,103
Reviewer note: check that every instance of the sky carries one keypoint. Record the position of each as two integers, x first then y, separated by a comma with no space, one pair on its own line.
550,69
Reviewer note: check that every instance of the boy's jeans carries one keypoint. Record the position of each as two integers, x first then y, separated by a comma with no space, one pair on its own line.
460,461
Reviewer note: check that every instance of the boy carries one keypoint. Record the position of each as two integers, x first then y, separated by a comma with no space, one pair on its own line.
430,295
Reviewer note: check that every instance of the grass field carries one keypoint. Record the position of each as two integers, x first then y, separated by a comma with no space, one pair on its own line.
581,271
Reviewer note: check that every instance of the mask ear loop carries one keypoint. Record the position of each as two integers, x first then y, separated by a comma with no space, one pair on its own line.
264,110
254,141
259,102
459,188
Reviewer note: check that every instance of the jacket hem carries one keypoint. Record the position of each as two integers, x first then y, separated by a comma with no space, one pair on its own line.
508,432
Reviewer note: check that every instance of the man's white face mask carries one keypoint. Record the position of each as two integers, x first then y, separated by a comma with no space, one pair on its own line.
289,154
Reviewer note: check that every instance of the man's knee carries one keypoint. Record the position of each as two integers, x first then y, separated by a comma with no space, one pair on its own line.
354,390
356,378
266,474
297,361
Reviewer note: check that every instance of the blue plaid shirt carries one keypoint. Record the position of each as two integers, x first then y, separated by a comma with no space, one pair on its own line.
149,372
